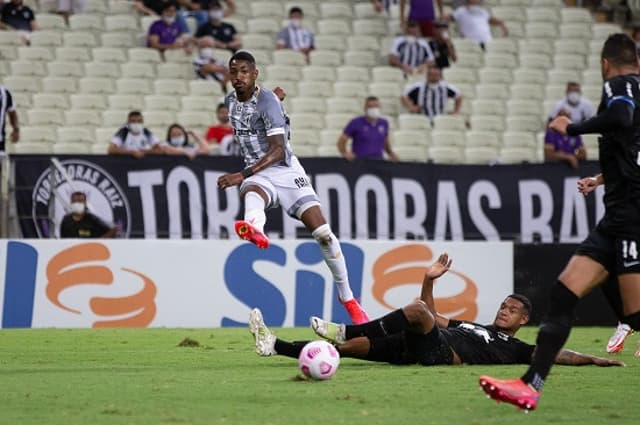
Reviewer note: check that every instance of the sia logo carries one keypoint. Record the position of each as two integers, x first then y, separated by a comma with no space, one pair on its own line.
104,196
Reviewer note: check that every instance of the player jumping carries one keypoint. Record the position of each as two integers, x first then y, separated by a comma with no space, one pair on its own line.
273,174
612,247
417,334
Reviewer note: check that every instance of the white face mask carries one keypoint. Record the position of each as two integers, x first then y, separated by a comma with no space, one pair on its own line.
296,23
216,15
136,127
177,141
78,207
169,19
373,113
573,97
206,53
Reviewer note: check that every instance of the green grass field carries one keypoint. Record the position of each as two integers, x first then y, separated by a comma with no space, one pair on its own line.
142,377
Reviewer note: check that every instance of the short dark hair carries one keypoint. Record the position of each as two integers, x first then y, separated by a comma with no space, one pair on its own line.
169,4
620,50
214,3
295,9
525,302
370,99
243,55
176,125
78,193
220,106
134,114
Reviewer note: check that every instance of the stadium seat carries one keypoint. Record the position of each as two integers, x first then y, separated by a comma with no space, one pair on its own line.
602,30
139,86
359,58
447,138
28,68
239,22
495,76
197,103
487,123
385,89
160,118
565,61
122,23
283,73
82,118
262,26
334,27
174,70
96,85
330,137
327,150
49,21
65,69
500,60
470,60
99,148
113,119
456,75
125,101
109,54
449,122
75,135
535,46
45,39
563,76
579,31
102,70
353,73
143,54
304,137
339,10
79,39
529,76
191,119
492,91
570,47
510,14
257,41
344,105
371,27
169,103
337,121
411,138
267,8
445,154
71,148
502,45
10,38
526,91
315,89
172,87
305,151
8,52
487,106
33,134
59,85
555,91
482,138
30,148
117,39
363,43
51,117
542,30
308,104
353,89
575,14
518,139
50,100
137,70
542,14
318,73
96,6
330,42
82,22
514,155
524,123
177,56
523,107
325,58
72,54
289,57
535,61
414,122
592,77
480,155
306,121
34,53
412,153
88,102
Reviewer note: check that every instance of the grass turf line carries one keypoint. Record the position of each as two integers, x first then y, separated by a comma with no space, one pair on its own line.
141,376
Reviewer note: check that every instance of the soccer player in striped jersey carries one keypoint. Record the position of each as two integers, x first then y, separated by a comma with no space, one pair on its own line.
273,175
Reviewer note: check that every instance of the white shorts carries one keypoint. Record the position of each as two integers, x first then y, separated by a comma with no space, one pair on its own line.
288,187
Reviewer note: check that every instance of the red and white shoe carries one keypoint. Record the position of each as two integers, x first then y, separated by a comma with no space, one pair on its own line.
248,232
513,391
616,342
356,312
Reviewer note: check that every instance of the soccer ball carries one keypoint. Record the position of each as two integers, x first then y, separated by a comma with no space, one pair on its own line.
319,360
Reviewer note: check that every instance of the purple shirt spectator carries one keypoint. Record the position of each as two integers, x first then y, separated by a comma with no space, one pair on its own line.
421,10
167,33
368,138
566,144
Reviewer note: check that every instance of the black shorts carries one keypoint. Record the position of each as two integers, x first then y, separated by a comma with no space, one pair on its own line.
618,254
429,349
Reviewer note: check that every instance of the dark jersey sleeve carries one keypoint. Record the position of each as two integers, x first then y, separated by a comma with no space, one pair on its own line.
525,352
98,225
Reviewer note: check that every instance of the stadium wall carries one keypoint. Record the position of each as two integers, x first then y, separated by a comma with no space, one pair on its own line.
142,283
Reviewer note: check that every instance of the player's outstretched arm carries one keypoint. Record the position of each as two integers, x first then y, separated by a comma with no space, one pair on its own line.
437,269
573,358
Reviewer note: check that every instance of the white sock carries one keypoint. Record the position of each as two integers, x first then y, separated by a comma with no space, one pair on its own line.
332,254
254,210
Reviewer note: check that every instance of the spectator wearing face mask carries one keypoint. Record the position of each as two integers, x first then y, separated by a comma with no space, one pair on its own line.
217,132
166,33
80,223
178,142
579,108
134,139
410,52
369,134
562,147
216,33
430,97
155,8
443,49
294,36
209,68
475,21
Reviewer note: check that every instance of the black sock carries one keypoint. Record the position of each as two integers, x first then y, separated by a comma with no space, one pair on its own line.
633,320
392,323
289,349
553,333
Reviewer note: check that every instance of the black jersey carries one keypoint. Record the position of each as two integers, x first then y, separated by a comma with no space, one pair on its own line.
91,226
479,344
620,159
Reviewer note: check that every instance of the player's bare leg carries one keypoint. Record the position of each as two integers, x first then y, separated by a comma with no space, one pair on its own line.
252,227
578,278
315,222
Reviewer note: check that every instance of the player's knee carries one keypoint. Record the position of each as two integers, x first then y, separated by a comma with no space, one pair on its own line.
417,312
633,320
327,240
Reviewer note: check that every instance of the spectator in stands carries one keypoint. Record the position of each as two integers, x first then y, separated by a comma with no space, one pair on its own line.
579,108
207,67
8,108
443,50
369,134
134,139
410,52
178,143
80,223
67,8
155,8
294,36
218,34
166,33
475,21
217,132
422,12
560,147
16,16
430,97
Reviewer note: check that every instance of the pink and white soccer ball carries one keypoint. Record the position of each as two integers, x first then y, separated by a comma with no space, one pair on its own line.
319,360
